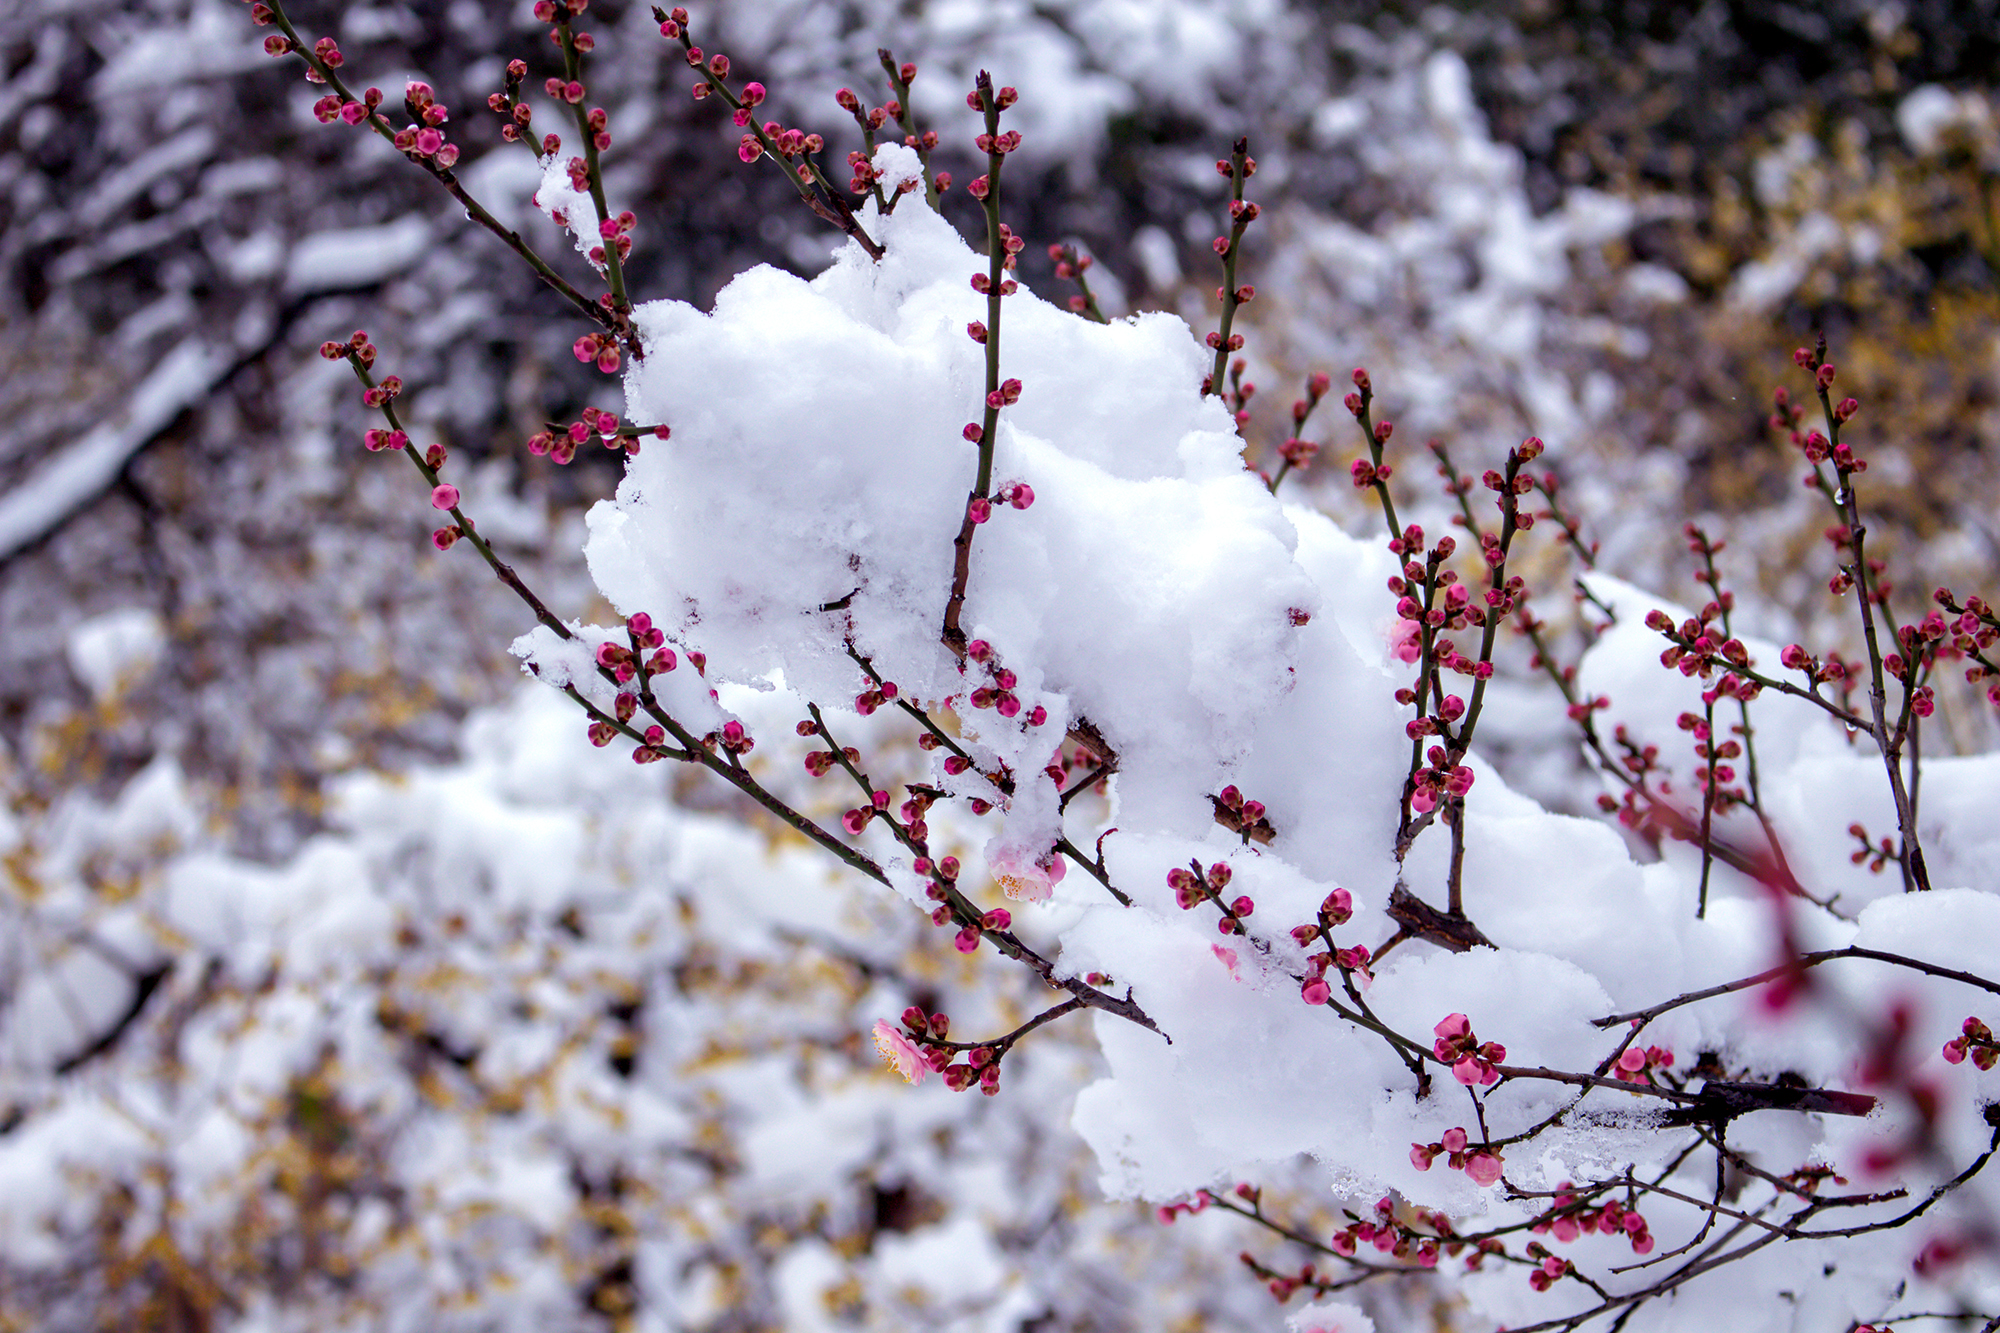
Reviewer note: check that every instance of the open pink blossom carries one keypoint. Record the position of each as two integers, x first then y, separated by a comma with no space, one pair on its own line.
1029,878
901,1053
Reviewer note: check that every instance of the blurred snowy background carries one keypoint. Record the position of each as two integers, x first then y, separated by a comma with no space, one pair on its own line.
342,986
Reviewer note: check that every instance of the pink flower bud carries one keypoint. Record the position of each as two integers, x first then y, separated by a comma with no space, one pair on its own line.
444,496
1484,1168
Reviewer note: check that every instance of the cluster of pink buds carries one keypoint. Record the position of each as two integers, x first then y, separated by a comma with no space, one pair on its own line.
1796,658
378,395
1613,1219
647,635
819,763
421,139
919,1048
1194,885
1442,778
1697,650
968,937
1637,1063
1788,417
1471,1063
1241,816
1548,1269
1391,1236
1299,453
1337,909
1452,609
1878,854
1071,264
1362,395
857,819
562,11
789,143
508,104
995,146
874,697
560,443
601,348
357,348
1974,630
617,233
946,869
619,660
732,737
1483,1165
983,284
1975,1040
1708,751
623,662
866,174
331,107
1317,385
998,144
998,693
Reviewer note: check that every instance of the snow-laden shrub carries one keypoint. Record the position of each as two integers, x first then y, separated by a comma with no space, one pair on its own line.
1224,753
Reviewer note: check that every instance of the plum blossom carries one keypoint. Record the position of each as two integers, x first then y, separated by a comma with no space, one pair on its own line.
1027,878
901,1053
